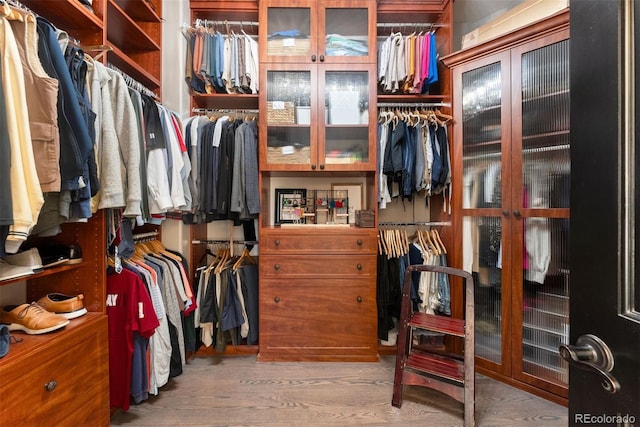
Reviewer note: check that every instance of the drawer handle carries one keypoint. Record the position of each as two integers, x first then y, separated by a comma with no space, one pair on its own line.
359,266
359,242
276,267
277,299
359,299
51,385
277,242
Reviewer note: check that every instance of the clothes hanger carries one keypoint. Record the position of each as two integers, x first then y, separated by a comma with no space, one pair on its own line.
245,256
102,50
437,236
10,13
430,243
435,242
440,114
24,15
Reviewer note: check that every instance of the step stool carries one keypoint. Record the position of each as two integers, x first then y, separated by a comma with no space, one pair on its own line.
450,374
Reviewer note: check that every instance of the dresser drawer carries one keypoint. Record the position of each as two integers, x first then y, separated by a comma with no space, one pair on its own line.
318,318
329,241
62,384
326,266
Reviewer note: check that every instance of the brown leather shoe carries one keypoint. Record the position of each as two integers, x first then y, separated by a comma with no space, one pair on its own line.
31,318
67,306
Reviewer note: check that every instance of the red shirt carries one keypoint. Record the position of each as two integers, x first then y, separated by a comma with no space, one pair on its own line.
129,309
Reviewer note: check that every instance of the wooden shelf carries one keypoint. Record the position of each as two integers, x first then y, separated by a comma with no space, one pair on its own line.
67,14
132,68
125,33
72,17
226,101
33,344
139,10
45,273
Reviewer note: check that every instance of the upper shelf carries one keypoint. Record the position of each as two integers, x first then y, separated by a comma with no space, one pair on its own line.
139,10
72,17
126,33
225,100
125,63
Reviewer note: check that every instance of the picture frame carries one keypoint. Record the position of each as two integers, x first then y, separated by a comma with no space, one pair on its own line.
288,205
356,197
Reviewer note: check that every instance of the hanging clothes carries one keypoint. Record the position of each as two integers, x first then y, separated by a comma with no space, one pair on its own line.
217,63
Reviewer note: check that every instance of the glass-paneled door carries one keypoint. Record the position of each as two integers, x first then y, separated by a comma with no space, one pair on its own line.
485,204
540,193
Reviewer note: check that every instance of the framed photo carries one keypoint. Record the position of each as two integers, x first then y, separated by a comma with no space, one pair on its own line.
290,204
356,197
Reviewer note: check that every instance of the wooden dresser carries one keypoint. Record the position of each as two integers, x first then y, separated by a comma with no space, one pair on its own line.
317,294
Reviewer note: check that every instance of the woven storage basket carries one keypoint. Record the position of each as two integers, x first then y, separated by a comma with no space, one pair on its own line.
277,47
281,116
299,156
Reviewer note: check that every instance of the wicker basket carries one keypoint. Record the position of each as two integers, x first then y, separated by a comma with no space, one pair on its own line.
280,47
280,116
299,156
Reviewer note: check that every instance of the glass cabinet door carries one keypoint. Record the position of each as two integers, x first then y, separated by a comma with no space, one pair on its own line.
347,32
318,31
347,119
542,189
289,31
485,92
290,104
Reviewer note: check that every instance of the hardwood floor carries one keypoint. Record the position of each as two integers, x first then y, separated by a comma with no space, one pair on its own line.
237,390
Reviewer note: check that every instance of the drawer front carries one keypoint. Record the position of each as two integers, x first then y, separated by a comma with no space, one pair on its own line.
347,242
318,317
325,266
62,386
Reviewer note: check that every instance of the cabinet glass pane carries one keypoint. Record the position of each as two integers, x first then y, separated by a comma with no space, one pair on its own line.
288,117
288,30
481,253
347,32
545,127
347,117
545,297
482,130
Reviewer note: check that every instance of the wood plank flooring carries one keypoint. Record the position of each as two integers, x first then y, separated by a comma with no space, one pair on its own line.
238,391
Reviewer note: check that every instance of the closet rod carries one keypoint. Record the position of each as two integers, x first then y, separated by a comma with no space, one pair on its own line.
133,83
409,24
219,241
413,104
224,110
19,5
405,224
201,21
142,236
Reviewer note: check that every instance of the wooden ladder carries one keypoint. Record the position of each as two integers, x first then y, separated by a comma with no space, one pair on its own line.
451,374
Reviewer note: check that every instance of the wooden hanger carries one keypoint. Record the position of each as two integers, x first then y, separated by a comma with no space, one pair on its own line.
102,50
222,263
437,237
10,13
434,248
440,114
245,256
